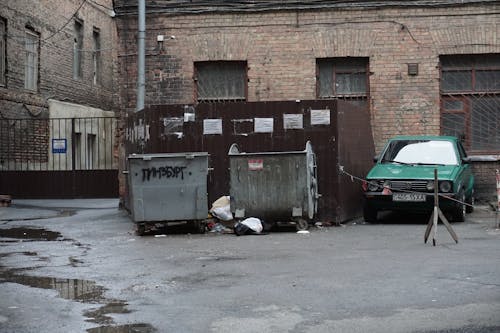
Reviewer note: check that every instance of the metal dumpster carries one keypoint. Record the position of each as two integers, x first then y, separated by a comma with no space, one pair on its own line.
167,188
274,186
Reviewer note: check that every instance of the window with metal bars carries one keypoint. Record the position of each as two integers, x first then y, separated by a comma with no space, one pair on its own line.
221,81
470,100
342,77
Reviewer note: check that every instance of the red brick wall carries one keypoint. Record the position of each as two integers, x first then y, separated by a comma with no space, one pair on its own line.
56,54
485,180
281,49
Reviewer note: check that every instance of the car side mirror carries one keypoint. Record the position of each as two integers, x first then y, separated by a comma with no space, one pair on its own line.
466,160
375,159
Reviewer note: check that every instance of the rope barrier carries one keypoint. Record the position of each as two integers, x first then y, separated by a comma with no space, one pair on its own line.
342,171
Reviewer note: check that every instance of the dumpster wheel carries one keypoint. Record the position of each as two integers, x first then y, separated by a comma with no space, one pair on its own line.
141,229
301,224
198,226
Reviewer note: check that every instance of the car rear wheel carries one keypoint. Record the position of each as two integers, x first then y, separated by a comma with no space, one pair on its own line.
459,210
470,201
370,214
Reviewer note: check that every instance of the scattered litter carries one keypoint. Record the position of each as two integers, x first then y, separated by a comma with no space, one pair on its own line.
162,235
13,307
131,240
303,232
218,227
221,209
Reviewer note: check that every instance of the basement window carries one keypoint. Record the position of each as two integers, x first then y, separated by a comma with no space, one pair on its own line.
470,100
219,81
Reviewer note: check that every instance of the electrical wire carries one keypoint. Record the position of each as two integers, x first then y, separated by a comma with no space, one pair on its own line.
65,24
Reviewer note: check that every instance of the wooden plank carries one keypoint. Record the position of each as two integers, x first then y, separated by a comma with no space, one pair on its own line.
448,226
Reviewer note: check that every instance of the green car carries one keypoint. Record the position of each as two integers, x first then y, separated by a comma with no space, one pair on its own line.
403,177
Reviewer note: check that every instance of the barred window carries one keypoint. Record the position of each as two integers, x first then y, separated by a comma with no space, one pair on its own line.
31,42
339,77
470,100
221,80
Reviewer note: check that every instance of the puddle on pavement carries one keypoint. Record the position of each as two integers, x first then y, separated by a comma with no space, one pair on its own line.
133,328
83,291
99,316
31,234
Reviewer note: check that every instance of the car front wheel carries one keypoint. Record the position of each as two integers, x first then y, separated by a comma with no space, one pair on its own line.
370,214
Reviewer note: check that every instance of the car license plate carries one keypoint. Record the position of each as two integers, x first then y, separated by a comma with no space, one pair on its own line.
408,197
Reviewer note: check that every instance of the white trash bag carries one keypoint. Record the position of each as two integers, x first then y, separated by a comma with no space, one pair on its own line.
253,223
221,209
249,226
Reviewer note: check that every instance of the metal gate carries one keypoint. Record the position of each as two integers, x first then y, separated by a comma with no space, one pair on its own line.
59,157
339,132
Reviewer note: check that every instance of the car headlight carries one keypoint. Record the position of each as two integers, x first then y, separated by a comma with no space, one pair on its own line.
373,186
445,186
430,185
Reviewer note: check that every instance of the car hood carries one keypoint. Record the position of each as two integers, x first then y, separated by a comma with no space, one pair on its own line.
397,171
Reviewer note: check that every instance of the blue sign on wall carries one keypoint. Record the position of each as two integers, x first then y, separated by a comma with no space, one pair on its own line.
59,146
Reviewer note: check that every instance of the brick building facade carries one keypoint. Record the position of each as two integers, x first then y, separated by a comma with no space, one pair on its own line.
57,60
404,60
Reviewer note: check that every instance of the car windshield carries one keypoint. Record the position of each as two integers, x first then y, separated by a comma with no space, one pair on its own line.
430,152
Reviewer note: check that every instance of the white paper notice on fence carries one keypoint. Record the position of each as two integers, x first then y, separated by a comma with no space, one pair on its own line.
263,125
293,121
188,117
320,117
212,126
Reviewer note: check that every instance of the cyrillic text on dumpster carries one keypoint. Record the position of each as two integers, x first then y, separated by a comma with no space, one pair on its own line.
163,172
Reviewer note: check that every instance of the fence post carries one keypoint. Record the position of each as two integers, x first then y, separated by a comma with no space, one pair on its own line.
498,198
73,158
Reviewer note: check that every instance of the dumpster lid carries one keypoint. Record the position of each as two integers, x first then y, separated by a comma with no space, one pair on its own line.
167,155
234,150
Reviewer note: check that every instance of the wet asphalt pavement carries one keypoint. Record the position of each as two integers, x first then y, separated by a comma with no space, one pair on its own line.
77,266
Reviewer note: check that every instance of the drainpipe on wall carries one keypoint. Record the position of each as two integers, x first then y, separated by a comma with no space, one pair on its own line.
141,54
